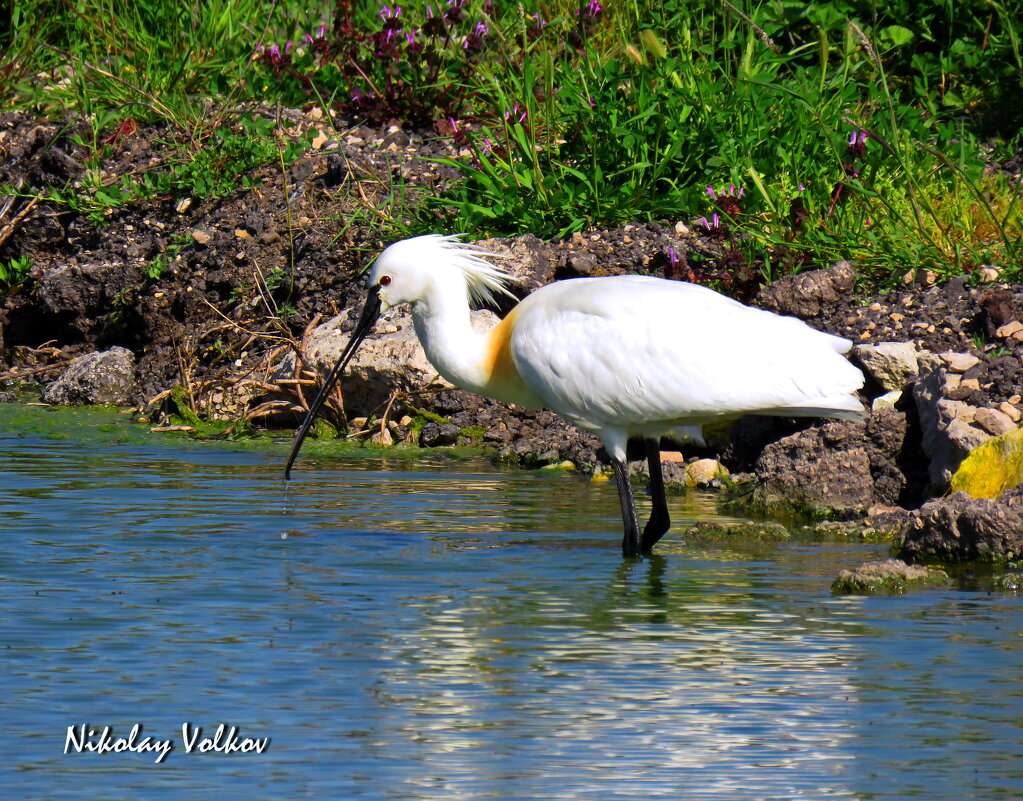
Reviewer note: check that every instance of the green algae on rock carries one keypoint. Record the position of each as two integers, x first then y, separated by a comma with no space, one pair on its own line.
747,530
887,577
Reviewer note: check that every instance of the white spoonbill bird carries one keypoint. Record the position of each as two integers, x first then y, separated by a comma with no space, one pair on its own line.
624,356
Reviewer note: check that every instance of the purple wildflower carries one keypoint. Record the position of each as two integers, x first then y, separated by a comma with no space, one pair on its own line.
858,143
515,111
713,224
474,41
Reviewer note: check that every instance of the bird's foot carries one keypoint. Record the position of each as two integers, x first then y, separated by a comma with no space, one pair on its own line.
657,526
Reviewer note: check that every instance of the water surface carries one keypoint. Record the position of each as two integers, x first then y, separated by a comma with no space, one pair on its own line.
439,629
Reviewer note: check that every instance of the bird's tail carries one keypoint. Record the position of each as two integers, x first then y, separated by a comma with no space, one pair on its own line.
845,407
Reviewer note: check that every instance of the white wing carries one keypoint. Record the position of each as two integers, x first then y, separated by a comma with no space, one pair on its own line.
637,350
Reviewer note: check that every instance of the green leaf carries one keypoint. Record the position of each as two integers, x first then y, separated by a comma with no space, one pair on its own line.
895,35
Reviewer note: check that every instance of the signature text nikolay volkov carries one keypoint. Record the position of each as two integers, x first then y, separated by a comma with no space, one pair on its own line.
84,738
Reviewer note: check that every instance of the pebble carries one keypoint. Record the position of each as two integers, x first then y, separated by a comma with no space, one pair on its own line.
886,401
994,421
1010,411
959,362
1010,328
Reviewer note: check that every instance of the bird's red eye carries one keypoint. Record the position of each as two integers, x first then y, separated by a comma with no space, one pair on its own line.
384,280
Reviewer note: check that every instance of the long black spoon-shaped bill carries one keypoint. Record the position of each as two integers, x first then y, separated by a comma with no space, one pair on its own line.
370,313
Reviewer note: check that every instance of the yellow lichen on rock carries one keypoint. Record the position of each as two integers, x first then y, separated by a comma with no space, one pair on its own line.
992,468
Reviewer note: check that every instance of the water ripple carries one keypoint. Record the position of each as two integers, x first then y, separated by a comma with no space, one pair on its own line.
450,631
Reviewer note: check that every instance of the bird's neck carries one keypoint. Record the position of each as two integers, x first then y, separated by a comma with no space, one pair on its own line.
470,360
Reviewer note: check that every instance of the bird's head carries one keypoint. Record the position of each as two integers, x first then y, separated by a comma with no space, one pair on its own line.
407,272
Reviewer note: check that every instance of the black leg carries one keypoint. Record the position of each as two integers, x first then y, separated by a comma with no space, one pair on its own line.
631,541
659,523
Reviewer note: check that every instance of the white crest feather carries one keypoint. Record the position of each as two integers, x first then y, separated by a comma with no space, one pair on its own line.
482,279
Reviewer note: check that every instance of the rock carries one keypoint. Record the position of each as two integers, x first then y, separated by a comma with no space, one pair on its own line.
702,472
961,528
959,362
1011,581
992,468
582,263
996,311
746,530
994,421
883,523
888,577
382,438
886,401
96,378
433,434
893,365
1010,328
1010,411
807,294
821,471
384,362
947,437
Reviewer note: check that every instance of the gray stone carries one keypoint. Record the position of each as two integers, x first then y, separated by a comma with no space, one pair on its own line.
433,434
582,263
947,436
887,577
893,365
807,294
820,471
96,378
964,529
736,531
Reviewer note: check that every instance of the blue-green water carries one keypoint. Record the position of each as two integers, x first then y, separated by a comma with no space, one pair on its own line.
442,630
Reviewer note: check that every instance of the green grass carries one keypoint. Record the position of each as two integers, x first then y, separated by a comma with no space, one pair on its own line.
594,118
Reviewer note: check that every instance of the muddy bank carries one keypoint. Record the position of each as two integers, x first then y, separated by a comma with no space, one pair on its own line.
223,309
